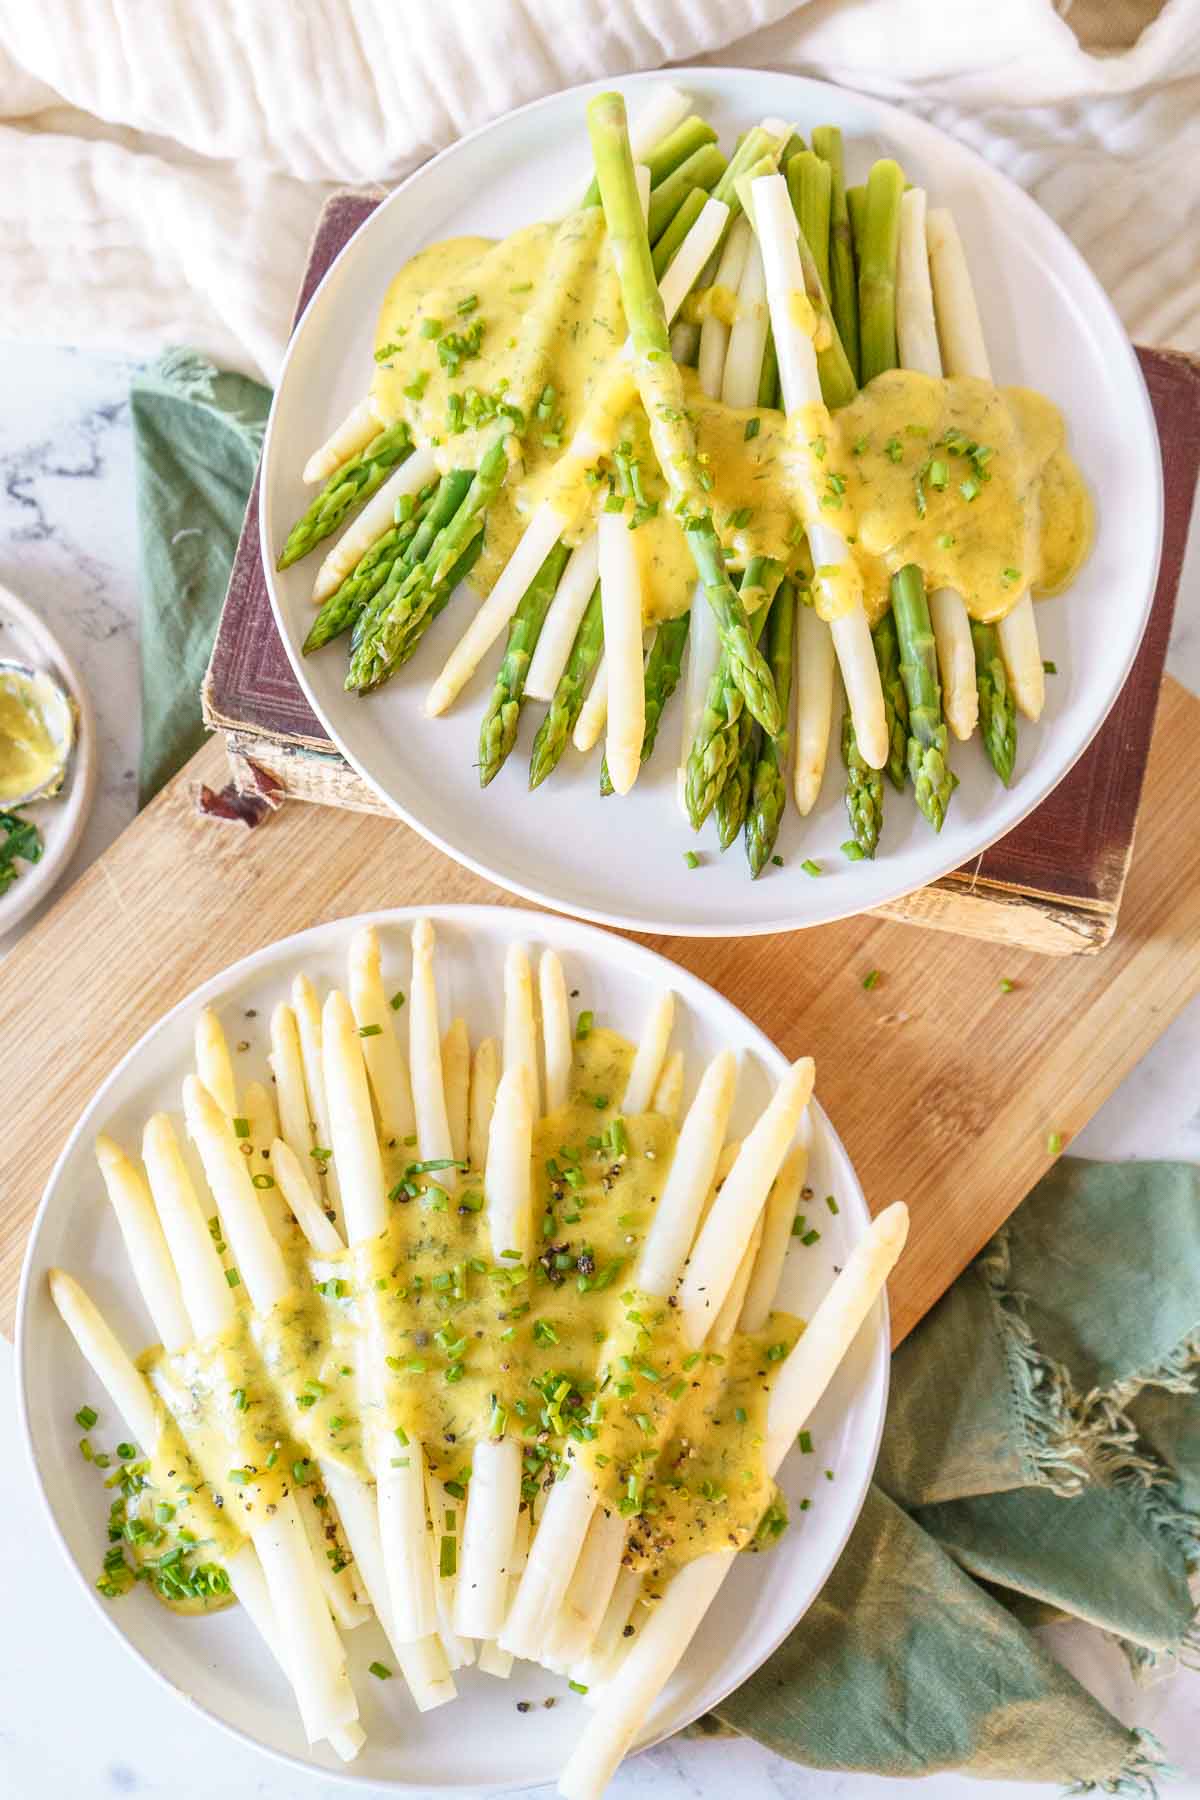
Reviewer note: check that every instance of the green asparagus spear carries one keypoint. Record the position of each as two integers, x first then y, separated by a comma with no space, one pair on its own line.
660,385
382,651
997,714
662,678
895,700
498,731
856,211
864,790
554,732
927,737
810,184
768,789
445,503
439,600
345,605
346,490
843,287
703,169
734,797
726,722
878,252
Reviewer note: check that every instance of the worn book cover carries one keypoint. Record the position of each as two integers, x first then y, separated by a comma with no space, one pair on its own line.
1053,884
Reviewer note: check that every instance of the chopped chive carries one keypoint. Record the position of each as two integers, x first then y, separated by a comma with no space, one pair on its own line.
262,1180
871,979
691,859
853,851
804,1439
396,1002
232,1277
86,1417
241,1128
380,1671
370,1031
1007,986
1050,668
1054,1142
583,1026
810,867
810,1238
832,1204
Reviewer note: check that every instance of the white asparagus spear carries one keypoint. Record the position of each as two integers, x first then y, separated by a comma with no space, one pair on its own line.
320,1523
250,1589
775,227
562,621
446,1515
145,1245
621,603
307,1010
590,1590
556,1030
714,332
485,1079
548,523
778,1217
386,1067
492,1659
485,1557
650,1054
520,1029
803,1378
425,1058
377,516
690,1177
964,352
916,335
353,434
208,1296
293,1185
726,1321
748,336
668,1095
295,1118
815,663
399,1479
507,1183
714,1259
456,1083
609,1643
213,1064
593,712
258,1110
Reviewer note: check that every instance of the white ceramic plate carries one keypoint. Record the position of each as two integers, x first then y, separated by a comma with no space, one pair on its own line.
217,1664
1048,325
25,638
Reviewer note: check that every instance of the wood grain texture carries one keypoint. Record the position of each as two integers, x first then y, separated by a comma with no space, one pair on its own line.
943,1088
1054,884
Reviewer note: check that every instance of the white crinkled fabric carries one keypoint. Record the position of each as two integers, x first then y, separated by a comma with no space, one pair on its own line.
162,162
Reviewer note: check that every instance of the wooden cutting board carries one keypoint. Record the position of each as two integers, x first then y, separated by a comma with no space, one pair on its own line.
944,1087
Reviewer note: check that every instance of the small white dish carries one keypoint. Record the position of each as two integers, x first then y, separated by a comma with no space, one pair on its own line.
479,1743
1048,325
25,638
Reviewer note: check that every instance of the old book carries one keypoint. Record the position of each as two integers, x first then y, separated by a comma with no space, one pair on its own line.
1054,884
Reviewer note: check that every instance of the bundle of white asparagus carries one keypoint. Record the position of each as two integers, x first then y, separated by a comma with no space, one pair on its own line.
269,1467
799,304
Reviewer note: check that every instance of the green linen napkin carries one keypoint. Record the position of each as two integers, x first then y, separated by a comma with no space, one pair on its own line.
197,433
1042,1453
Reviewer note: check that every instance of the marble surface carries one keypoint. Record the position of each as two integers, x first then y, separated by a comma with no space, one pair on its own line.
77,1716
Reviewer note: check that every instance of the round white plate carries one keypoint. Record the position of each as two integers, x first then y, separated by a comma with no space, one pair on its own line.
1048,325
25,638
218,1664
